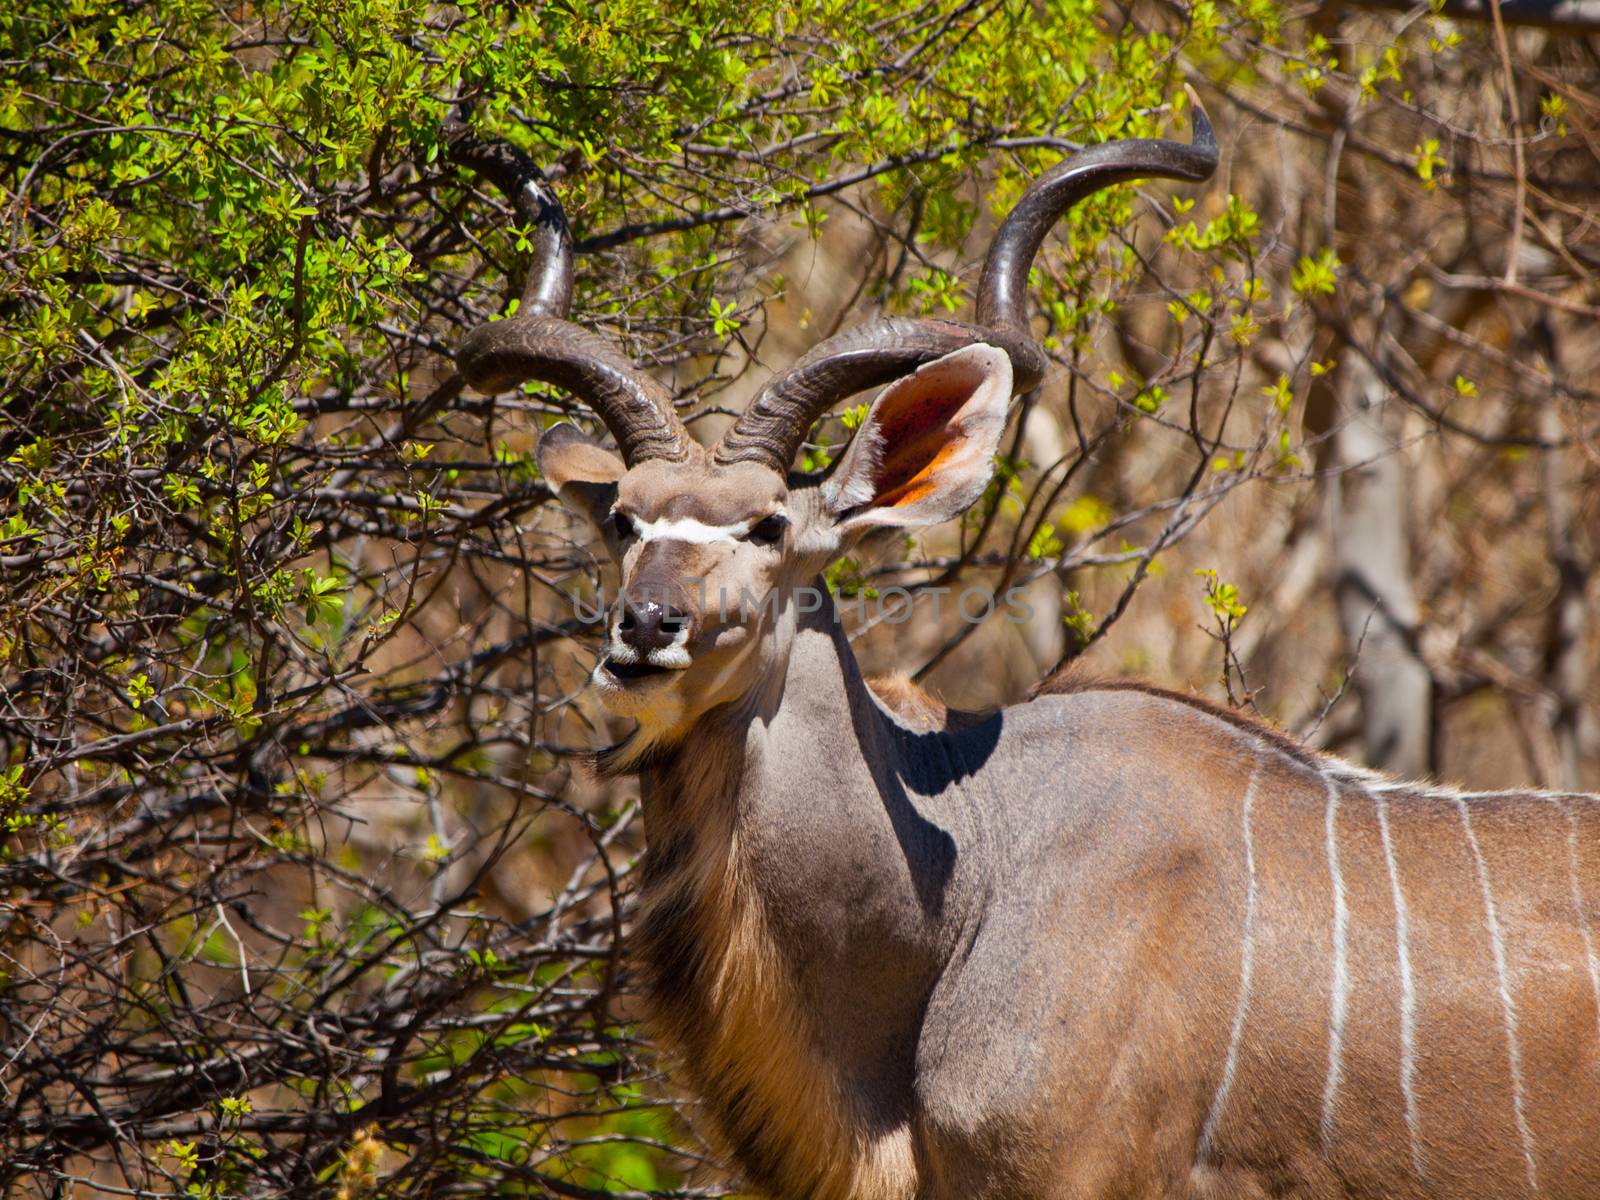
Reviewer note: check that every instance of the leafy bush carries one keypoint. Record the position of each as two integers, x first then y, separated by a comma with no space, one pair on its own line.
296,898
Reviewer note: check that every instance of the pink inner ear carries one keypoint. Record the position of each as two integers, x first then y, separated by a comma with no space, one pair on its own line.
917,438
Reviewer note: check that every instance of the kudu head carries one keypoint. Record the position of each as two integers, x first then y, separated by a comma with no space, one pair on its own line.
715,544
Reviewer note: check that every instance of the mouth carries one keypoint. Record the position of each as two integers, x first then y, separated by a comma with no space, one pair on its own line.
625,673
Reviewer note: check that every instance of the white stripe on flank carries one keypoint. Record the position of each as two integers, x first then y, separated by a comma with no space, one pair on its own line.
1507,1006
1408,989
688,529
1340,1001
1577,899
1246,966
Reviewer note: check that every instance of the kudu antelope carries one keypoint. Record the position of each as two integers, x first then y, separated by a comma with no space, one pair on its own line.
1107,942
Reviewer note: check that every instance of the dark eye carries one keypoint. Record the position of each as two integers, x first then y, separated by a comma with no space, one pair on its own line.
622,525
769,530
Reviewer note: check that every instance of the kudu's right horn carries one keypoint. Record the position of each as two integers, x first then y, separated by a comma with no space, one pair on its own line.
538,342
877,352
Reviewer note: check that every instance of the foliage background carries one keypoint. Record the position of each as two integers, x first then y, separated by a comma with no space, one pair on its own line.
300,891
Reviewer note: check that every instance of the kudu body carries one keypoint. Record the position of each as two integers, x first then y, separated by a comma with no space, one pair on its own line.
1108,942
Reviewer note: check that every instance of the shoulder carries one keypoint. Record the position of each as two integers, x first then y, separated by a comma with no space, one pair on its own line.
1162,711
1138,715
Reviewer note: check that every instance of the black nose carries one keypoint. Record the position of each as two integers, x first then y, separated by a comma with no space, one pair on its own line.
649,625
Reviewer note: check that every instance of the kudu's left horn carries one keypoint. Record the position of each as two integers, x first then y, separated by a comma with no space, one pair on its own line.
877,352
538,342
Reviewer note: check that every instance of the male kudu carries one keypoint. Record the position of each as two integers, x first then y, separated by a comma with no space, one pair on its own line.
1107,942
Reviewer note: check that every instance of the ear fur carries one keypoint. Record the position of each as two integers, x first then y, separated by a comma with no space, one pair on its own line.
582,474
926,449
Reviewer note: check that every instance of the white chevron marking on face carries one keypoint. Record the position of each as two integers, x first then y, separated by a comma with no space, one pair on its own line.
688,529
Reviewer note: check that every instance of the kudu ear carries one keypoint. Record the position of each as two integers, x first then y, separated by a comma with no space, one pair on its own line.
926,449
579,472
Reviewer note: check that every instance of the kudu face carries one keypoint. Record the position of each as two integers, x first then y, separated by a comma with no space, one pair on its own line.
717,559
716,545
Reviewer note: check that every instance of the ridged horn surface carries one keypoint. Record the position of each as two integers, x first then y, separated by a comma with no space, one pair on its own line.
877,352
538,342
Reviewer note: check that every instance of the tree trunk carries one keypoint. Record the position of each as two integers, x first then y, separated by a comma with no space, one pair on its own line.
1372,574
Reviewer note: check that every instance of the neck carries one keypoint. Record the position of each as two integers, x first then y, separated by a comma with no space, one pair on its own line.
793,888
729,768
